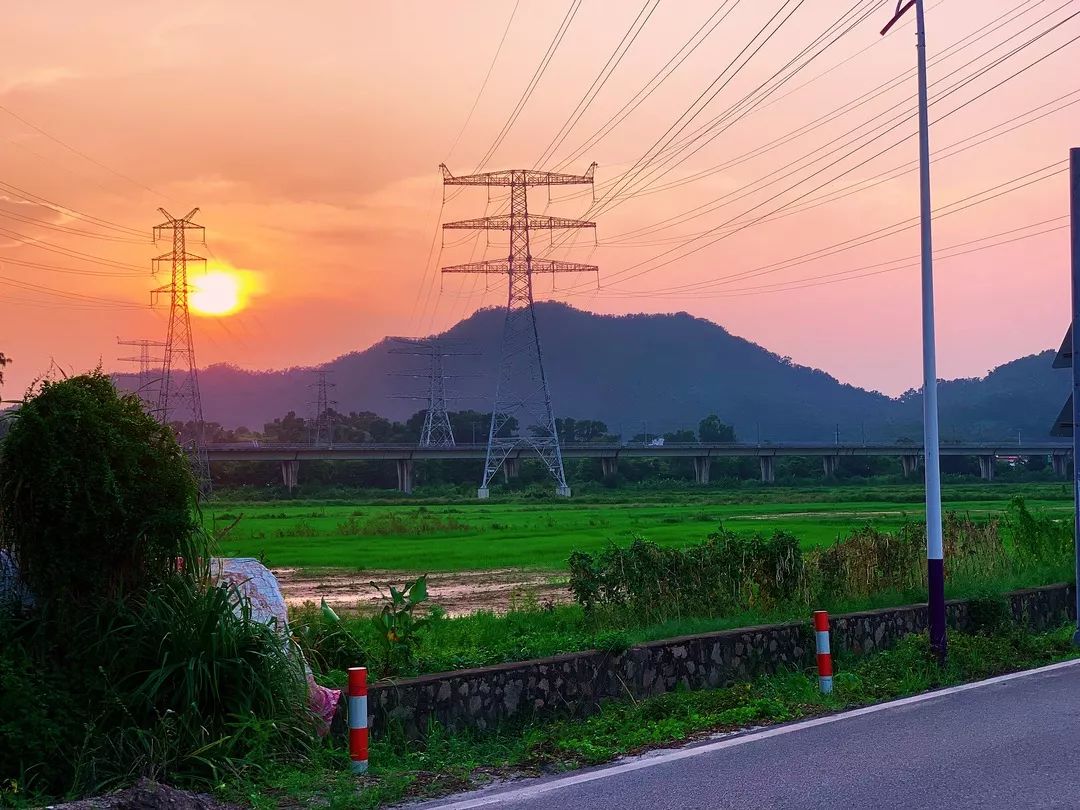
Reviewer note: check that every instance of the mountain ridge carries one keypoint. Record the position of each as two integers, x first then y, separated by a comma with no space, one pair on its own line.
654,373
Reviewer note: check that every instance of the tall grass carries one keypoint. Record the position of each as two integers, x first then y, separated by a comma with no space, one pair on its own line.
179,686
728,573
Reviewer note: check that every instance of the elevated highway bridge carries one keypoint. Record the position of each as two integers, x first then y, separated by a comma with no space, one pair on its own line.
405,456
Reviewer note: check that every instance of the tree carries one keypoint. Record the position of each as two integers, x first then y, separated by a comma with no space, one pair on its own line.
711,430
96,498
289,429
680,437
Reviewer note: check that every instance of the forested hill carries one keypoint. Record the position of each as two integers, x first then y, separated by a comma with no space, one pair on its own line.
655,373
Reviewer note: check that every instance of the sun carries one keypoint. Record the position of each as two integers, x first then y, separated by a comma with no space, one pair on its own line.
217,293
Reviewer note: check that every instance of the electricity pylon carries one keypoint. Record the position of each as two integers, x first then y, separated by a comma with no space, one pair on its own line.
436,431
178,396
321,427
521,416
146,363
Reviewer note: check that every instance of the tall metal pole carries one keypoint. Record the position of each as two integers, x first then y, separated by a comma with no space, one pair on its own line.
935,565
1074,210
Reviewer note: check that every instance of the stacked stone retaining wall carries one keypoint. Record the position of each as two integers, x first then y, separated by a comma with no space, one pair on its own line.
576,683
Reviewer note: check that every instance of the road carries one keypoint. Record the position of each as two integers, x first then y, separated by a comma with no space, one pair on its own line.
1010,742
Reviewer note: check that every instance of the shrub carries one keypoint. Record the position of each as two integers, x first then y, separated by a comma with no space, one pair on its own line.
96,497
652,583
188,683
127,664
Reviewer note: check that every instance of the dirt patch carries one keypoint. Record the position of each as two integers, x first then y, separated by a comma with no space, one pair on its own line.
458,593
147,795
789,515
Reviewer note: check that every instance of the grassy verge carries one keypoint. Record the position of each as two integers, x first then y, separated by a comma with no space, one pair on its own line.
485,639
447,763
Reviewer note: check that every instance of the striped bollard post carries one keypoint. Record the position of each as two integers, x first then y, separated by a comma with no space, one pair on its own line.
358,725
824,655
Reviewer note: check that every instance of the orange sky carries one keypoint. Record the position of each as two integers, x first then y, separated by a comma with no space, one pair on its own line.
309,135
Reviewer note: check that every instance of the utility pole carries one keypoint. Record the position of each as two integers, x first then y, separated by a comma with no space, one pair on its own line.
935,565
521,416
1074,241
178,396
146,362
436,431
321,427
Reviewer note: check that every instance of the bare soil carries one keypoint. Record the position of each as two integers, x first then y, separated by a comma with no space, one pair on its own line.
147,795
458,593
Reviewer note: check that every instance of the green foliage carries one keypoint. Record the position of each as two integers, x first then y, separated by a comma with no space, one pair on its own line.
443,763
988,613
96,498
397,626
128,664
191,689
643,582
1037,537
711,429
462,534
182,686
726,573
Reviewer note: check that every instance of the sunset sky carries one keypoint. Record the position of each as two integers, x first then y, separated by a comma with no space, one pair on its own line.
310,134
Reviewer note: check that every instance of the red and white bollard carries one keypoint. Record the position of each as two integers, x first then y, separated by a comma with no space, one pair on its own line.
358,725
824,654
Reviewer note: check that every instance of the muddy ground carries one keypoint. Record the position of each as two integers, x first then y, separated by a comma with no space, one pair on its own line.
458,593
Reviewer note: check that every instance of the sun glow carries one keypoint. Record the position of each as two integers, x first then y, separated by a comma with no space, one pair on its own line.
218,293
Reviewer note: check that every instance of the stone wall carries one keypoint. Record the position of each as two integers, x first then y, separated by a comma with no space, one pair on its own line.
576,683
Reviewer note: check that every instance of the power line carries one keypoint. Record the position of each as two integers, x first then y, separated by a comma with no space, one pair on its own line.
564,26
647,90
78,152
962,204
955,88
598,83
882,177
483,84
819,154
67,210
853,104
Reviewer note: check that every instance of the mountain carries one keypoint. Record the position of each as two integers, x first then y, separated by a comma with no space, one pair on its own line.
654,373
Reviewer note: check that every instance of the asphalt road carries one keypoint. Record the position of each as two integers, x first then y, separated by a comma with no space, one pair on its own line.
1010,742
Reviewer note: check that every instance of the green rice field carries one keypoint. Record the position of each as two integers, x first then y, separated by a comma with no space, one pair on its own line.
469,535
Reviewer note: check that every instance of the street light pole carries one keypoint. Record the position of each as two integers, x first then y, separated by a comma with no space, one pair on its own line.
935,565
1074,242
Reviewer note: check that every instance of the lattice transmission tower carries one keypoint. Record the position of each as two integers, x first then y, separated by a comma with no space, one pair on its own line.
521,416
437,431
178,396
321,426
149,365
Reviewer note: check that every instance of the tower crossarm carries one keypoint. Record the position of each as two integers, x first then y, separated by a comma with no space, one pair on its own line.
515,177
495,266
504,222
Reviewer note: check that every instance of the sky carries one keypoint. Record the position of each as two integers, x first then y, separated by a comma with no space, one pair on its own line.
766,181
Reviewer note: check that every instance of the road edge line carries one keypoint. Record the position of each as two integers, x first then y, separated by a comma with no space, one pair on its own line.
674,755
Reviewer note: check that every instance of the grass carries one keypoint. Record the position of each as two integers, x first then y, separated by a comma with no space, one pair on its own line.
467,535
447,763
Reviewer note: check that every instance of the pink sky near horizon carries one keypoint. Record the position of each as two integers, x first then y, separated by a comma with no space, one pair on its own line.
309,136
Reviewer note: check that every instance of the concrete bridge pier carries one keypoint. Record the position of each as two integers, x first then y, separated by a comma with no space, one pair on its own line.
609,466
986,467
829,465
405,476
290,473
768,469
1060,464
910,464
702,465
511,468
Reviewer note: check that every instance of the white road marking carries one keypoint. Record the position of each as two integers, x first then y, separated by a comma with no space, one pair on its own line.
674,755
